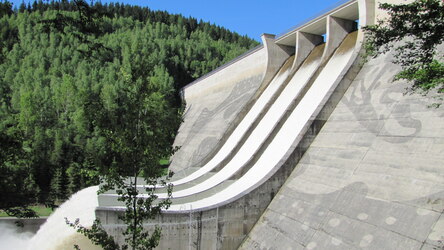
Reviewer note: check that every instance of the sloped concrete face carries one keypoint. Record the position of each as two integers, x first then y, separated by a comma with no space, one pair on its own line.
217,103
212,105
373,177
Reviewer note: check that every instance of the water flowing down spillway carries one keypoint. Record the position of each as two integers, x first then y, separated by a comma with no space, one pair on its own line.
282,126
292,87
266,125
264,128
245,124
55,234
291,130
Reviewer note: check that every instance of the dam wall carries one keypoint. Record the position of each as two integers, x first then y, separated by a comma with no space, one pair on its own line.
372,178
215,103
347,162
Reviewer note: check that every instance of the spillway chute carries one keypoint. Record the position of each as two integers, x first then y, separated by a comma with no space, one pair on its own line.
291,131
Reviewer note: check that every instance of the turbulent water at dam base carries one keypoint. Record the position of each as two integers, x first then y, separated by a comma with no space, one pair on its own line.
55,234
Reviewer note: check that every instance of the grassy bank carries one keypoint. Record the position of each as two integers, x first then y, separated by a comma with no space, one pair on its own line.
41,211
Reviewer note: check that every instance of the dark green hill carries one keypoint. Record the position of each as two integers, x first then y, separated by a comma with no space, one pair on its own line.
59,86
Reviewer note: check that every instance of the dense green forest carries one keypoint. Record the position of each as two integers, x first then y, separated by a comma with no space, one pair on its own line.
62,92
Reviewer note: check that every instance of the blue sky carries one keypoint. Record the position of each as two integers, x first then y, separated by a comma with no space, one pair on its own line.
247,17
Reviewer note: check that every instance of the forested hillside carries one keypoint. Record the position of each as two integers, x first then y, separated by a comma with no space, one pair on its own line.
60,94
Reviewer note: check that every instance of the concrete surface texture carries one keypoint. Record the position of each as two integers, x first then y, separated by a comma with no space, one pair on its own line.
216,104
373,177
351,162
254,113
289,132
283,123
211,107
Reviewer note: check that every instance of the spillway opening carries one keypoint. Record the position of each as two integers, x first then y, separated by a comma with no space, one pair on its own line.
356,25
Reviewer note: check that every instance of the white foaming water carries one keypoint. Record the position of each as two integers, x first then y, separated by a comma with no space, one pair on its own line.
55,234
263,129
244,125
288,133
11,239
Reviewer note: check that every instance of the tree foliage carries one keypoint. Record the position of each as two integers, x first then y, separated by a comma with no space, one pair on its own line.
96,234
138,124
66,107
415,30
91,92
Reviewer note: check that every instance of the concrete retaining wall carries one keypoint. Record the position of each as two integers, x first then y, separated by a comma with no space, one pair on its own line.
372,178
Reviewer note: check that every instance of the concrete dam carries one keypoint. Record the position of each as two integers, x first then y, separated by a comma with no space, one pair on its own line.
302,144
